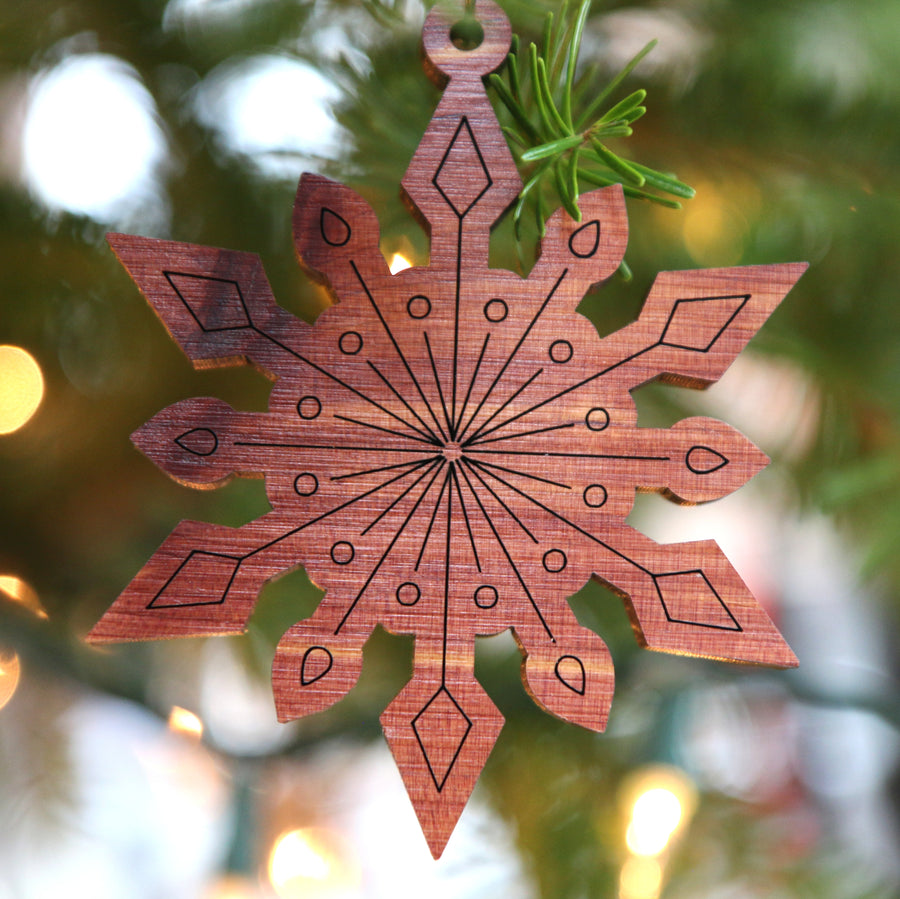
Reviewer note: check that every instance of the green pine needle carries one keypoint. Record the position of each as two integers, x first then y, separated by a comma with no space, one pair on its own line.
562,122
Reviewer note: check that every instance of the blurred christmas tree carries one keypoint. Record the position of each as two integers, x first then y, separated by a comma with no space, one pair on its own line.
193,119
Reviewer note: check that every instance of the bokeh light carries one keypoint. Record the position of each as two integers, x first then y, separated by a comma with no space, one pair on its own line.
654,818
641,878
17,590
91,142
21,388
269,109
305,864
10,671
660,800
182,721
399,263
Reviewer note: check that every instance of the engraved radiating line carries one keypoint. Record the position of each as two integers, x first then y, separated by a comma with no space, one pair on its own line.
577,386
366,424
327,446
465,404
565,520
570,424
456,310
509,511
509,558
402,400
393,340
531,324
447,581
358,474
437,381
484,452
343,505
463,123
333,377
381,515
480,430
524,474
396,537
437,505
465,516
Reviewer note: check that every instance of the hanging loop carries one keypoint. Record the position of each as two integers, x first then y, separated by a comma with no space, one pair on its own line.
450,60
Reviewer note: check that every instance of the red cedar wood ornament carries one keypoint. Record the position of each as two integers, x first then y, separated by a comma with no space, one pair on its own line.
452,450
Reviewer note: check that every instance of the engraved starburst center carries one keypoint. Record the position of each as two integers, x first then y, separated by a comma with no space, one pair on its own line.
452,452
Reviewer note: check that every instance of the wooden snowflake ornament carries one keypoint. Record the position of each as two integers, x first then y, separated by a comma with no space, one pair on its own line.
450,451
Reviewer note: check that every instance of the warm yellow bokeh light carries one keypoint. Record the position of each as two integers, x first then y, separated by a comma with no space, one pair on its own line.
21,388
16,589
306,864
641,878
398,263
181,721
654,818
716,224
659,801
9,676
298,855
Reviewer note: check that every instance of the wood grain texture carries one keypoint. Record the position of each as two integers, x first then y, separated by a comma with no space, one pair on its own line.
450,451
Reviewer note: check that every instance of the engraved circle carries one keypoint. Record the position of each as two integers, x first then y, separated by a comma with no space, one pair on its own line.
306,484
560,351
496,310
419,306
408,594
486,596
555,560
342,553
350,343
595,496
309,407
597,419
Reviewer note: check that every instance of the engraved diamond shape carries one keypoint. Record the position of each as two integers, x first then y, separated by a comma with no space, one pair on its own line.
462,177
216,304
689,598
441,729
698,323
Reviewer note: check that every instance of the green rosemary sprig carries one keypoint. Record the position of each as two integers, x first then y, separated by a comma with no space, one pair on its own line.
561,125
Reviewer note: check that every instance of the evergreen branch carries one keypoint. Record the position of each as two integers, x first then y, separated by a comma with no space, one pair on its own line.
551,109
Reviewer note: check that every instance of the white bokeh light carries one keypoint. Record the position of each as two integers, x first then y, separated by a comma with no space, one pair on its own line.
91,142
270,109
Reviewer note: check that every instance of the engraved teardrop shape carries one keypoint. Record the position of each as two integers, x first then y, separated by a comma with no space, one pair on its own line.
317,662
584,242
199,441
703,460
570,670
334,228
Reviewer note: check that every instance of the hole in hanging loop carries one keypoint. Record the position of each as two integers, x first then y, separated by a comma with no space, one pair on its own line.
446,59
467,34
